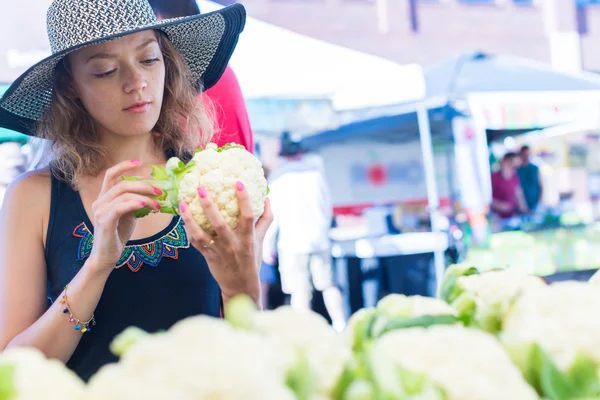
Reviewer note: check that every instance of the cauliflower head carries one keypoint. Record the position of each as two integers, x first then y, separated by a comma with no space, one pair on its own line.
218,170
396,311
311,335
26,374
320,351
462,363
198,358
553,335
482,299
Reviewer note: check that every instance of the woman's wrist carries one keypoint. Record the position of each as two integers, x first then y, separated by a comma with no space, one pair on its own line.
250,288
95,271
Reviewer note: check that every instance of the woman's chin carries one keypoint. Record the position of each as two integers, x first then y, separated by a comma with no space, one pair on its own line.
135,130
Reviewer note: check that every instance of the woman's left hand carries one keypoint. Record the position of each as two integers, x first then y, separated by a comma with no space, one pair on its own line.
233,256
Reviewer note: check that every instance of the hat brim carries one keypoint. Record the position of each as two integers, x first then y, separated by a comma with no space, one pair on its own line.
206,42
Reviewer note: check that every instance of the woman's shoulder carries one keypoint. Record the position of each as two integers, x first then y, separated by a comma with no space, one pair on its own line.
32,187
26,203
39,179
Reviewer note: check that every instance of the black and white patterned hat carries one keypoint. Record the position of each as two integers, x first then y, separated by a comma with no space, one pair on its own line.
206,42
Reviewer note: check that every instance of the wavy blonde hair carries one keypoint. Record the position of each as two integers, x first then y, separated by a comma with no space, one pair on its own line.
184,124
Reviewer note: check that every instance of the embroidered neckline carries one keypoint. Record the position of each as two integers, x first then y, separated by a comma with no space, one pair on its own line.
136,255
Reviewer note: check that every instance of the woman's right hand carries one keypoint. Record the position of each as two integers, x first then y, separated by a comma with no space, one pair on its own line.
113,217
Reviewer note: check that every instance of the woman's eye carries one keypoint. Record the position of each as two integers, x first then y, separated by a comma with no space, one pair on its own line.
150,61
105,74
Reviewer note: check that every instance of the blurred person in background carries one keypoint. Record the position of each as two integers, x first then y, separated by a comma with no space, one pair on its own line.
531,179
507,196
299,235
72,252
233,124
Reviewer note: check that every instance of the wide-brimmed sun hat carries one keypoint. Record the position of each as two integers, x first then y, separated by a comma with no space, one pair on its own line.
206,42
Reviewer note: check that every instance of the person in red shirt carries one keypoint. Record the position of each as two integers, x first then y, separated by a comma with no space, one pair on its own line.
507,196
230,109
233,124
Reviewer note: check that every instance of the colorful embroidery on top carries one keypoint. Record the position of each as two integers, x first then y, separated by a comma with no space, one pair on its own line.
137,255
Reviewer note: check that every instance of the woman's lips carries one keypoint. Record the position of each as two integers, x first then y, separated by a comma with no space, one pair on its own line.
138,108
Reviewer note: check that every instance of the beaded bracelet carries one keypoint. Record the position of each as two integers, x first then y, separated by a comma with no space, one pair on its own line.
81,326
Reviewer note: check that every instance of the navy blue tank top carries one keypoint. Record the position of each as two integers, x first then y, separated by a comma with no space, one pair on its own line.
158,281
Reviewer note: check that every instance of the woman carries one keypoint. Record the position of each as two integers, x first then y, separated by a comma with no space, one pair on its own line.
112,99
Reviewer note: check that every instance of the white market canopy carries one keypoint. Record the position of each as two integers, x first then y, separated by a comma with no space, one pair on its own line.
272,62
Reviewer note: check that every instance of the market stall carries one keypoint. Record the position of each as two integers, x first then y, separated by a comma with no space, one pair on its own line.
372,166
465,107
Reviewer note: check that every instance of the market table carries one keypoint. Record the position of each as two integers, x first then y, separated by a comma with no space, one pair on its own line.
400,263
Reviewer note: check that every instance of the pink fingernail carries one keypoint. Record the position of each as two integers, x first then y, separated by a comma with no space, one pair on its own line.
157,205
142,203
202,192
157,191
182,207
239,185
135,162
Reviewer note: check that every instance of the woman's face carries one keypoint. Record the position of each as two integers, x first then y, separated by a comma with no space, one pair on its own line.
121,83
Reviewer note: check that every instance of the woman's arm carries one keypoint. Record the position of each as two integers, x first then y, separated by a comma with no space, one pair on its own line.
24,317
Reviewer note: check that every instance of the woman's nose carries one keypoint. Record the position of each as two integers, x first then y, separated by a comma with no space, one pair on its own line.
134,81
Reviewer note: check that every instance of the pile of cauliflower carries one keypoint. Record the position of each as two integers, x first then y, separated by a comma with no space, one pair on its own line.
216,169
517,338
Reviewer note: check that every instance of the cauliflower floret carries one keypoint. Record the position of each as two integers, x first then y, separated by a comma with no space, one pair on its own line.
218,170
495,287
558,317
111,382
36,377
399,305
466,363
482,299
396,311
309,333
198,358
